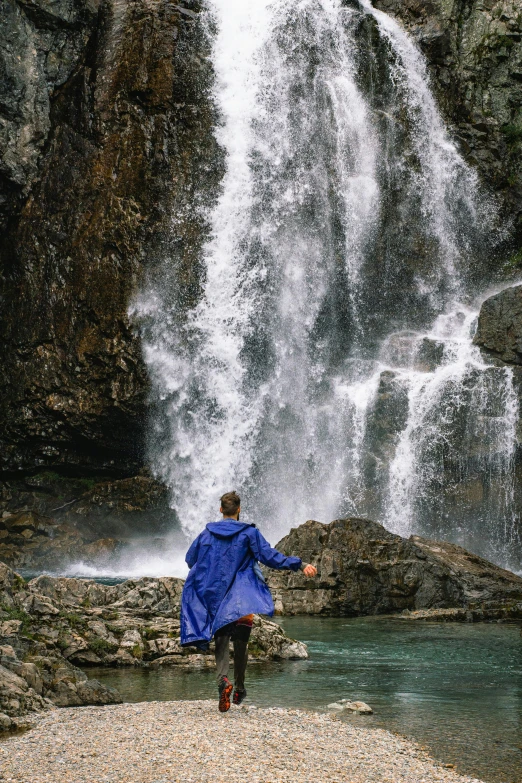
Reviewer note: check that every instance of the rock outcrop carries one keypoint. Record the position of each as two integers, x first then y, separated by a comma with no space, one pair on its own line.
51,626
363,570
474,50
499,328
32,541
34,675
42,44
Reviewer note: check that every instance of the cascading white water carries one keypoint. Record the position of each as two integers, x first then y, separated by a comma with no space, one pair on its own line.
461,421
295,142
345,217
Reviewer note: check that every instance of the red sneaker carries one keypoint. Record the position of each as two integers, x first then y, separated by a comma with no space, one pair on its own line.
225,689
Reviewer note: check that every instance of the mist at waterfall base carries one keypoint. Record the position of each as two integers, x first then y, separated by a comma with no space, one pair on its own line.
327,367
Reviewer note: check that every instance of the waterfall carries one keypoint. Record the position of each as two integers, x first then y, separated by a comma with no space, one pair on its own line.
327,366
460,436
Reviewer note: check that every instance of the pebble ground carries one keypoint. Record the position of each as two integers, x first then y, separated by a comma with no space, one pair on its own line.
191,742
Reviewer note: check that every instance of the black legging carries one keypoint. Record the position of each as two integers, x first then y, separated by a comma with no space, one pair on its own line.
239,634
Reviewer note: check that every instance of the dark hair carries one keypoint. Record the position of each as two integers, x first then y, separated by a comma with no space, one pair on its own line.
230,503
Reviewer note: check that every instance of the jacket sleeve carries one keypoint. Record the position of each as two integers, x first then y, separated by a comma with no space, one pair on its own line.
271,557
192,554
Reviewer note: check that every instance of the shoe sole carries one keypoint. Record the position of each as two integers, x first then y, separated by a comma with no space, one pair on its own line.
224,699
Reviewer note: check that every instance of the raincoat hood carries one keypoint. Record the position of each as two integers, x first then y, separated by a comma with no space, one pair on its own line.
227,528
225,582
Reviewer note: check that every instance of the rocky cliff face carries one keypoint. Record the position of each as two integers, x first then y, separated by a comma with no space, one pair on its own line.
474,50
364,569
105,130
42,44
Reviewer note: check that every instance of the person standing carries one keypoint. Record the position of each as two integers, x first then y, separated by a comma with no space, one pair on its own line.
225,588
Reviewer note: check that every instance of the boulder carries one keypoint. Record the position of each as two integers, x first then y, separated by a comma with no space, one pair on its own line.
364,569
13,692
499,328
138,504
42,681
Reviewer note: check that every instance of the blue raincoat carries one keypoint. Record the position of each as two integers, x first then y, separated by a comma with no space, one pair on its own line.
224,582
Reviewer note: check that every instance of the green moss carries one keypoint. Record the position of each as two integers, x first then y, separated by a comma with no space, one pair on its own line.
73,619
18,614
150,633
504,40
99,645
19,583
87,483
118,632
255,650
137,652
47,477
110,615
62,643
513,133
514,263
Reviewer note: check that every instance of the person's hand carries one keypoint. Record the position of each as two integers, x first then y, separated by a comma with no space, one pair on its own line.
310,570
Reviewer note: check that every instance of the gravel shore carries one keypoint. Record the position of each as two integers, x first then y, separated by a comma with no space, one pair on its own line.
191,742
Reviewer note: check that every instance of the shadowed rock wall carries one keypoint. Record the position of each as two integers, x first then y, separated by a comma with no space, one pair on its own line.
115,132
41,44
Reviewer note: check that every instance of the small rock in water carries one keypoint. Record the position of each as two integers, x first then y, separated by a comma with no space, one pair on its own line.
359,706
344,705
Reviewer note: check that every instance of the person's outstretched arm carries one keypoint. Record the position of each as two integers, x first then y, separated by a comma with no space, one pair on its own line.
273,559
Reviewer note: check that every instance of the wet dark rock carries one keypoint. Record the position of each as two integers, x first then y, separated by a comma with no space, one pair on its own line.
387,417
499,329
41,45
116,126
474,52
429,355
412,350
363,569
138,504
49,520
30,540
